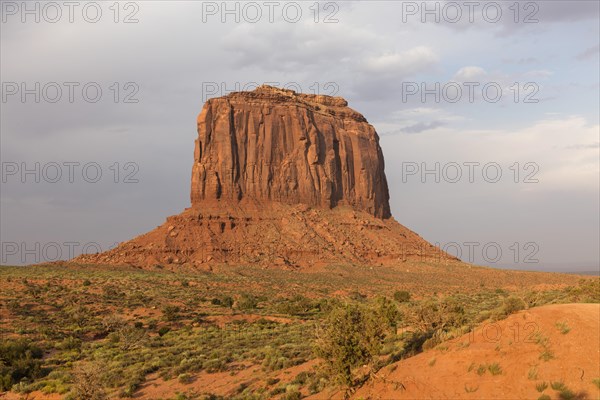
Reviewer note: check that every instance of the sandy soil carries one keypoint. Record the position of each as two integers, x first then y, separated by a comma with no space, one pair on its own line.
514,344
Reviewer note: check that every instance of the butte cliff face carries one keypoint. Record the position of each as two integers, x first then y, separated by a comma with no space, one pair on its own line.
276,145
279,179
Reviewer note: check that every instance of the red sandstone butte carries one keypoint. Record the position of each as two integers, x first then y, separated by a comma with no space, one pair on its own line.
276,145
279,179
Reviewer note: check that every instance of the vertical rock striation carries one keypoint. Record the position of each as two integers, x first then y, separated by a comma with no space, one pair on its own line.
276,145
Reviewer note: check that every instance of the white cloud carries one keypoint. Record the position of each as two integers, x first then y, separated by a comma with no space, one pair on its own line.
469,73
589,53
294,47
403,63
538,74
565,148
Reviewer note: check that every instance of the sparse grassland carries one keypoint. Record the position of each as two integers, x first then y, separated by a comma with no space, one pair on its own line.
93,332
546,353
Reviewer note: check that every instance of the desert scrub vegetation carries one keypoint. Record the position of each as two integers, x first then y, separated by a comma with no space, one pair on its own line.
471,389
541,386
546,353
19,360
563,327
532,374
564,393
298,305
114,327
481,369
510,305
401,296
495,369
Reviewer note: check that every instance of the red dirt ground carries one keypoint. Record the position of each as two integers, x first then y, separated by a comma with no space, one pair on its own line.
443,372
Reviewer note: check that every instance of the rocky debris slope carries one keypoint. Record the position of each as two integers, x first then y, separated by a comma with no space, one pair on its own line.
279,178
287,236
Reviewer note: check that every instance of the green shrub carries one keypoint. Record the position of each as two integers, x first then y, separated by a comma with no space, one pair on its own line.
563,327
275,360
131,338
567,394
532,374
510,305
401,296
351,335
546,354
301,378
272,381
70,343
185,378
211,396
357,296
540,387
277,390
19,360
495,369
297,305
226,301
214,365
437,315
247,302
171,313
291,393
388,312
163,331
471,389
481,369
112,323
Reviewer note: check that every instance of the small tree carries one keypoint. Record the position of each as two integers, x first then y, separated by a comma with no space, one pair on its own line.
131,338
247,302
171,313
510,305
388,312
227,301
112,323
350,336
433,315
19,360
87,382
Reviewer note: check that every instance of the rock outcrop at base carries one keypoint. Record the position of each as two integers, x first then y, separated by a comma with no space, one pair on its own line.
271,235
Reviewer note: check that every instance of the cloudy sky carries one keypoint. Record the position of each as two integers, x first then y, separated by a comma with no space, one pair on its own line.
487,112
